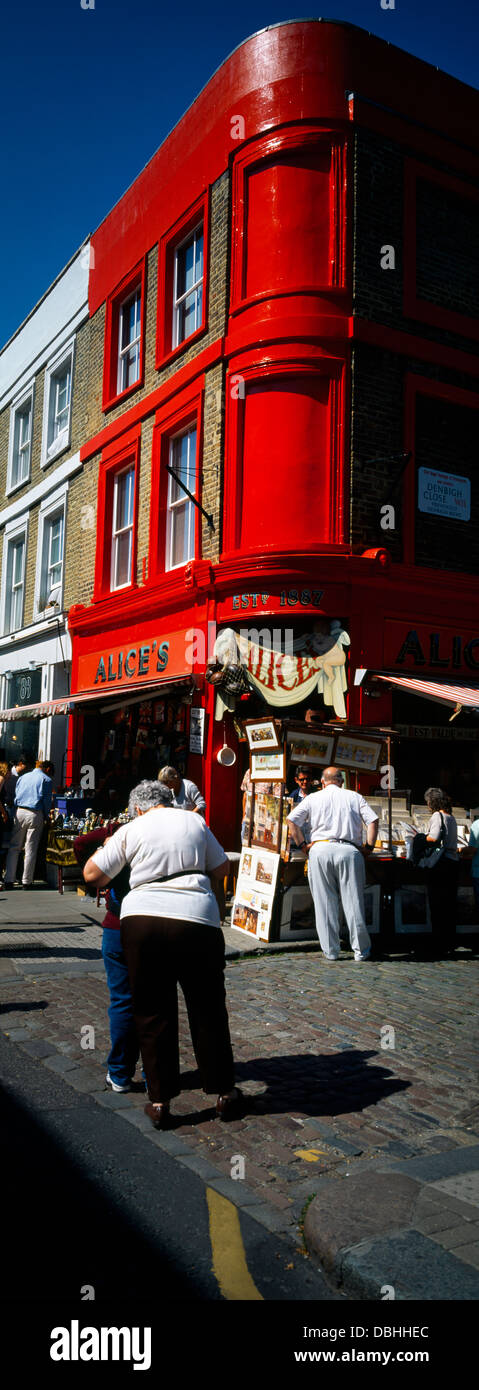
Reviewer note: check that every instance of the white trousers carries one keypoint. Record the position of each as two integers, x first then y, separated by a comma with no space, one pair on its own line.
337,875
27,830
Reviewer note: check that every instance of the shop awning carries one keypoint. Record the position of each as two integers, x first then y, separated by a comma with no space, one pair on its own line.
460,694
85,698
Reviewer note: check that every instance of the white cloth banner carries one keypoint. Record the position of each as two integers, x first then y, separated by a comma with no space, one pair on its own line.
287,679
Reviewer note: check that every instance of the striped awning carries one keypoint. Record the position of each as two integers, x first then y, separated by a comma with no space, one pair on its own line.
83,698
460,695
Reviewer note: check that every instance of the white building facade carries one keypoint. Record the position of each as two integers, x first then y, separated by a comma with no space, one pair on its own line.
40,436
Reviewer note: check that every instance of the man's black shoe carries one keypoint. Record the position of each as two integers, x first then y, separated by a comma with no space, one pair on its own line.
8,885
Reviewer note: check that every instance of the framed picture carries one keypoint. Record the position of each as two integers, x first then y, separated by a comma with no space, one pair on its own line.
197,729
314,749
262,734
266,826
297,922
360,753
266,870
268,767
245,917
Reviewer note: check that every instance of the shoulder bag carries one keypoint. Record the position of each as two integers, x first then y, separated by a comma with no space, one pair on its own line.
426,855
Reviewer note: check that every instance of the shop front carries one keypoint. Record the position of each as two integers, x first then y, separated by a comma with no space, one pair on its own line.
134,707
335,659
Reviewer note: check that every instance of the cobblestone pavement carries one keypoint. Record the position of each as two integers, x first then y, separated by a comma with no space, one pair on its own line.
342,1064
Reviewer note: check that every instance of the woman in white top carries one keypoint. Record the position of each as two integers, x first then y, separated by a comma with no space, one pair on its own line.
171,934
442,879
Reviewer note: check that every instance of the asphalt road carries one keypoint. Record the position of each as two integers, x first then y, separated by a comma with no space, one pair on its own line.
91,1204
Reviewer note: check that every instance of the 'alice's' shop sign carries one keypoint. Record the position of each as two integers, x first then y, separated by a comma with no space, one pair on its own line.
147,659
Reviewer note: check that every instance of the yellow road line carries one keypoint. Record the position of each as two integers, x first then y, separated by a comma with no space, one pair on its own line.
229,1259
309,1155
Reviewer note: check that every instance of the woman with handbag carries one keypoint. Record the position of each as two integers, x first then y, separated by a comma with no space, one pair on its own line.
442,878
171,934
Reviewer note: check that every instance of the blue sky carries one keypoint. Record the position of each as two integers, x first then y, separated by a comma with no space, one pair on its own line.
87,96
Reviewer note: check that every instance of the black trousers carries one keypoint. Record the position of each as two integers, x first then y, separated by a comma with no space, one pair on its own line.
442,884
162,952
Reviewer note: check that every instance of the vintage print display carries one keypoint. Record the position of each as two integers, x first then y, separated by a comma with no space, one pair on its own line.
262,735
353,752
197,729
255,892
266,820
309,748
268,766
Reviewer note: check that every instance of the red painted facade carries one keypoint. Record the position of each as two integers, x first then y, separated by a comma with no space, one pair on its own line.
287,353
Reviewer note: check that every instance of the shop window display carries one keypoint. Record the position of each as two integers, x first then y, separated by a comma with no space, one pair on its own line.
133,742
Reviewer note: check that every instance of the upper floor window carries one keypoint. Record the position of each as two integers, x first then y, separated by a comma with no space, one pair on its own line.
122,534
117,521
183,281
60,393
20,441
57,405
124,337
180,525
52,560
129,338
50,553
188,287
15,584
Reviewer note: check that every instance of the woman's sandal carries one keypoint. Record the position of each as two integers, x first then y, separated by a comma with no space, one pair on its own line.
158,1114
230,1107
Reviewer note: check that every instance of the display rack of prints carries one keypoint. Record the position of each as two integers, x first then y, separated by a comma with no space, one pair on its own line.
255,892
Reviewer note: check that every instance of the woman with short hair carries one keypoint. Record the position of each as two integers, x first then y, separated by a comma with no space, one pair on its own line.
171,934
442,879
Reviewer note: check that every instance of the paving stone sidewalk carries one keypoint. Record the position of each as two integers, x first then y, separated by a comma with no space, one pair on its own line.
361,1082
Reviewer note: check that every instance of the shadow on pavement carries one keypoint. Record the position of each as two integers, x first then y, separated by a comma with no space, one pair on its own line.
49,952
23,1007
322,1085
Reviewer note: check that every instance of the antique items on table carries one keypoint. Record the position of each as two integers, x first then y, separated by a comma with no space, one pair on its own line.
63,829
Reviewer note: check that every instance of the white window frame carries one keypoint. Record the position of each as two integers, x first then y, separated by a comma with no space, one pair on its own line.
66,356
122,530
199,284
17,407
55,503
15,531
181,502
133,343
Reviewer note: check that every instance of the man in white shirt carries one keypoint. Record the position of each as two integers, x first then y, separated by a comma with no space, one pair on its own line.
329,825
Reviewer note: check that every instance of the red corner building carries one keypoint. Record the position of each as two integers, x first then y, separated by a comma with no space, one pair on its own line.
285,314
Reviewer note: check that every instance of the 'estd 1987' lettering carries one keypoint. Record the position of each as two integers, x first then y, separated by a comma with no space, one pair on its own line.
290,598
309,598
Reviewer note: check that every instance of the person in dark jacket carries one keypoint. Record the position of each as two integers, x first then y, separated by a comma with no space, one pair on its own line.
124,1052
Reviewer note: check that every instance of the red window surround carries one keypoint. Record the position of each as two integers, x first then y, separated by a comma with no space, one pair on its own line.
198,212
300,172
136,279
413,307
115,459
172,419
